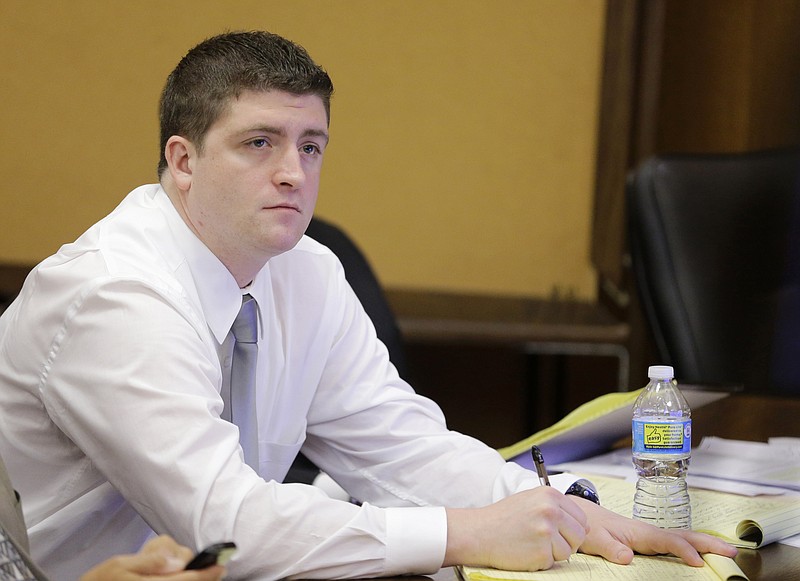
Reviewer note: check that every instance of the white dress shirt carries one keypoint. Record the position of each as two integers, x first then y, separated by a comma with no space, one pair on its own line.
111,364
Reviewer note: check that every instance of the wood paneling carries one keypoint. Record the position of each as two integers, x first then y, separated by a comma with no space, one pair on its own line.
685,76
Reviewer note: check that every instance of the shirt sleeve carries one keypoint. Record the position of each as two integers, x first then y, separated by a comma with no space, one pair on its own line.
131,380
387,445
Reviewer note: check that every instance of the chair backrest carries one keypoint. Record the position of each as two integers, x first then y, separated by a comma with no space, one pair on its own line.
362,279
709,238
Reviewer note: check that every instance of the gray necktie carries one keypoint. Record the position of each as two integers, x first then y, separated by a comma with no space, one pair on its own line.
243,379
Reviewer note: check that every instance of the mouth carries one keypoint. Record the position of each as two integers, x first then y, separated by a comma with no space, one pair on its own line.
289,207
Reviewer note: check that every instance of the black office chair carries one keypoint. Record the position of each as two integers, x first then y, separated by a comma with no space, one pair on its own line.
709,238
362,279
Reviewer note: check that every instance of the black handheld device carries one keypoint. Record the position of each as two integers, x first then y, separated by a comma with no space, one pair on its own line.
216,554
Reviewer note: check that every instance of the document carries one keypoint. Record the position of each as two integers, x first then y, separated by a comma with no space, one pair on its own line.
592,428
708,470
743,521
774,463
581,567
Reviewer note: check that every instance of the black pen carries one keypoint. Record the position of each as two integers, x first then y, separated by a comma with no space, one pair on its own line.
538,461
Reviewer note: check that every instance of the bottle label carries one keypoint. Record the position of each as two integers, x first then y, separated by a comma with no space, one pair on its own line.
662,437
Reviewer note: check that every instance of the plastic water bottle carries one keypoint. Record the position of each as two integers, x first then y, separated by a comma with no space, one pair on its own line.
662,447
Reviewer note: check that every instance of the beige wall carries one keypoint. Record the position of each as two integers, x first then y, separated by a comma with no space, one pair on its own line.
463,131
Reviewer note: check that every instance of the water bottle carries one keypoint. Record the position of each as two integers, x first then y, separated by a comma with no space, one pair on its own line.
662,446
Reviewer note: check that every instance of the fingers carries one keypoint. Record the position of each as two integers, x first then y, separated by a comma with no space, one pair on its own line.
573,509
164,556
528,531
147,563
670,542
607,546
127,568
554,523
161,559
616,538
176,556
561,550
571,529
687,545
709,544
214,573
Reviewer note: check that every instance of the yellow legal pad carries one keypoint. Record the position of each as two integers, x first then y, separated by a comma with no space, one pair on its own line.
581,567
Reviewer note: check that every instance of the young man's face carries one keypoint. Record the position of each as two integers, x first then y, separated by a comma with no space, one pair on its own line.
254,185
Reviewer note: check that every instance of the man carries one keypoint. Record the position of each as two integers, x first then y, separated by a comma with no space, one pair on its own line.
160,559
119,382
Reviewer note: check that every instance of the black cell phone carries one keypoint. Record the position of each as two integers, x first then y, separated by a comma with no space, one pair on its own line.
216,554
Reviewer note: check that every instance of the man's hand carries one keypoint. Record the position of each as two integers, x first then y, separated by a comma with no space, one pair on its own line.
528,531
532,530
616,538
161,559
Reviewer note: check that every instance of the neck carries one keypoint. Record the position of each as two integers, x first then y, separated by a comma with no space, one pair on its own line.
242,271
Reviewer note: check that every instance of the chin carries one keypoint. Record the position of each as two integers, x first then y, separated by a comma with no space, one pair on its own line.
283,244
280,237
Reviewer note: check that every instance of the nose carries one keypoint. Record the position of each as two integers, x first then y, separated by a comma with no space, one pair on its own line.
289,170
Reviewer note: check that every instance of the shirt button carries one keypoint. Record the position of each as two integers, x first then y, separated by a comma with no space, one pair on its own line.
227,362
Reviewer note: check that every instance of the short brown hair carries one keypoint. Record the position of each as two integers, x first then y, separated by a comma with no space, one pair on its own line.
221,68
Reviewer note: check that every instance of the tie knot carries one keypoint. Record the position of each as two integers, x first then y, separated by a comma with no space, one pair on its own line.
245,327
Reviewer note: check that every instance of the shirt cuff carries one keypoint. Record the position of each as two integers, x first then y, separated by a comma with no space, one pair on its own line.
563,481
560,482
416,540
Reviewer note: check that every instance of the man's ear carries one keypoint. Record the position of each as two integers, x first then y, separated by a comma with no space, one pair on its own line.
180,153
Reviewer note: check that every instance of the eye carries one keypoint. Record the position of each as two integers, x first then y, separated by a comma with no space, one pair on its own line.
311,149
259,143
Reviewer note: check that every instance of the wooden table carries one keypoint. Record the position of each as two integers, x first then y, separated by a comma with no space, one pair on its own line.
774,562
748,416
756,417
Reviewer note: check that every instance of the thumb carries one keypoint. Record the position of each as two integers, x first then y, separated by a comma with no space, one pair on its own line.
152,563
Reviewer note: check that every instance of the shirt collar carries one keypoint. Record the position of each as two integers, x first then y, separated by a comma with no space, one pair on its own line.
219,296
